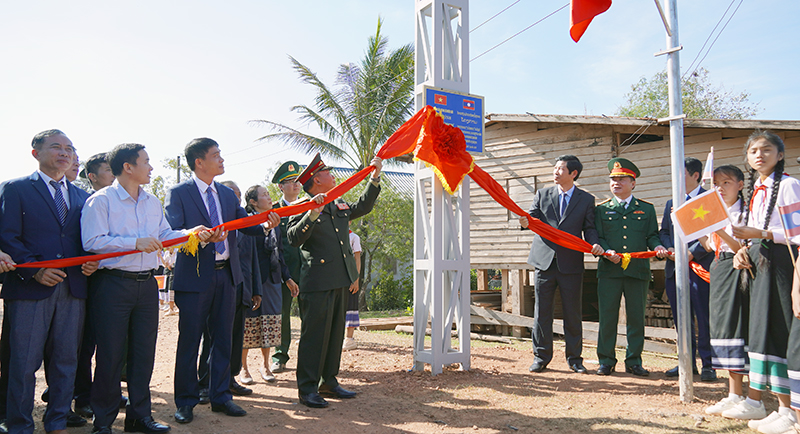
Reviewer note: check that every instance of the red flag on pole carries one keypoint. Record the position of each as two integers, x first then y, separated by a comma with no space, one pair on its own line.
581,13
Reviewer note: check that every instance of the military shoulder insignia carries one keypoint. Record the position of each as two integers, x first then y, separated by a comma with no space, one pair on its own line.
302,200
604,201
642,200
342,206
638,211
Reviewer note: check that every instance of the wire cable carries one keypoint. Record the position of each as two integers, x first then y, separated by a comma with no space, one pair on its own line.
520,32
718,35
699,52
494,16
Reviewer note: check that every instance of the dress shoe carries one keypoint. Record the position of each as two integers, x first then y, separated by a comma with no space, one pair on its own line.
230,408
239,390
277,367
537,367
84,411
637,370
74,420
3,426
145,425
708,374
101,430
204,399
605,370
674,372
313,400
578,368
336,392
184,414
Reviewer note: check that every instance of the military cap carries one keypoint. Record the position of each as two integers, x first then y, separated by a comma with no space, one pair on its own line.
287,170
622,167
312,169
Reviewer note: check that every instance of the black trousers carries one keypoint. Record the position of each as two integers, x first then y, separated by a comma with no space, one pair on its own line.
321,336
237,343
571,288
123,307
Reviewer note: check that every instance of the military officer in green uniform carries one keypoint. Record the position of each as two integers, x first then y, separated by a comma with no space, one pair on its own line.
624,224
286,178
328,271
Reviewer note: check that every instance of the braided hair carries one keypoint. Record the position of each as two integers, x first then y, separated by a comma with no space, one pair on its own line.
733,172
777,172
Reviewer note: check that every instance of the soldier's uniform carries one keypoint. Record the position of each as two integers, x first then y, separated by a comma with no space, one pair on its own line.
327,270
291,255
631,229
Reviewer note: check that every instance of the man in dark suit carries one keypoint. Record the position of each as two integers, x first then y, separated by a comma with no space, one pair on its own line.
624,224
46,306
698,288
570,209
205,285
327,274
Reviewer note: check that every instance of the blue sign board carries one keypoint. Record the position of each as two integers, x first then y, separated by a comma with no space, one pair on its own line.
459,110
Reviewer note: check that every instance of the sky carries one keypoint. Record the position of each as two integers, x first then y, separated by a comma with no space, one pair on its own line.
161,73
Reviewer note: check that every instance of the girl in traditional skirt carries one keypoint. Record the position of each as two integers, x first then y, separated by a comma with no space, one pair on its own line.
793,355
770,292
262,326
728,319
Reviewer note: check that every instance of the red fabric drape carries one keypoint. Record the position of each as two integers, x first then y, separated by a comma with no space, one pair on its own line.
581,13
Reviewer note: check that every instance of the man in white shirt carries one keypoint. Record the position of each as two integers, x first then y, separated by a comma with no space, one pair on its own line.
124,293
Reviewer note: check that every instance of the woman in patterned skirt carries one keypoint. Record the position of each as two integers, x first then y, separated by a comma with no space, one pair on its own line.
262,327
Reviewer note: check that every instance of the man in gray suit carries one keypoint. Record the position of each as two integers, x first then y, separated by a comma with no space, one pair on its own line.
570,209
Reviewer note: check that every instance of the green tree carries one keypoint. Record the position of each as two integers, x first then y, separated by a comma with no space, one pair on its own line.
370,101
366,105
701,99
159,185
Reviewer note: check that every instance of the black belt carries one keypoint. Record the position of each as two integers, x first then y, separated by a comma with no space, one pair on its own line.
139,277
219,265
726,255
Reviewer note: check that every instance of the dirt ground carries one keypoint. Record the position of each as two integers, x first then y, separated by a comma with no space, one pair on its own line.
497,395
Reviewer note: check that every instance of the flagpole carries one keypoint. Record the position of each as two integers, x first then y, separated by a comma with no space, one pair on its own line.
676,116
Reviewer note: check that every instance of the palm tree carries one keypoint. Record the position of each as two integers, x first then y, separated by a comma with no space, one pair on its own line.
370,101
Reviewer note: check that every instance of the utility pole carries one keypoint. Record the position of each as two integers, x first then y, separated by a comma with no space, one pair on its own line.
676,117
179,169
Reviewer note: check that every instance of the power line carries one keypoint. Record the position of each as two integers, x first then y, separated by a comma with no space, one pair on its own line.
699,52
718,35
494,16
259,158
521,31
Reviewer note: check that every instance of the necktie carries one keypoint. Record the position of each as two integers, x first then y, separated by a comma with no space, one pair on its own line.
61,204
214,216
563,204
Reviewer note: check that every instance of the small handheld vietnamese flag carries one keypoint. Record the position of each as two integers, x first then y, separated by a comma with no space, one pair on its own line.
790,218
708,169
704,214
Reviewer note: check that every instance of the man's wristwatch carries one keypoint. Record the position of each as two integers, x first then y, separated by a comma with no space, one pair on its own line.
376,179
764,234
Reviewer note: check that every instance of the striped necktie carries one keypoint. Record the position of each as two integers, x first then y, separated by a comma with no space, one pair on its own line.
214,216
61,204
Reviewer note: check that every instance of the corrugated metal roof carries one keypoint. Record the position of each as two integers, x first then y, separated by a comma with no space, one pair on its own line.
747,124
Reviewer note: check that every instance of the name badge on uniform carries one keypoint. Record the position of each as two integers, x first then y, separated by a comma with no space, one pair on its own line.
342,206
638,212
611,212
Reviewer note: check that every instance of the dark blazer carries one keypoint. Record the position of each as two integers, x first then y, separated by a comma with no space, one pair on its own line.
185,209
578,220
31,231
634,229
667,236
328,261
271,260
251,272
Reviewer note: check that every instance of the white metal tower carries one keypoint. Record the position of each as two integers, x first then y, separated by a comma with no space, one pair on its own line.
441,221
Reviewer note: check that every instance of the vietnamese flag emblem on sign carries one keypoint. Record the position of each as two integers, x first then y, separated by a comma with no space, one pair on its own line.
440,99
704,214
